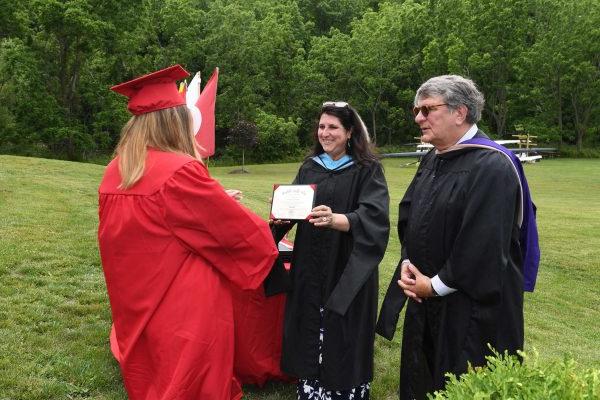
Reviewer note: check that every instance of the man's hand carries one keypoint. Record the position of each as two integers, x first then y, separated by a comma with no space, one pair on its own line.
414,284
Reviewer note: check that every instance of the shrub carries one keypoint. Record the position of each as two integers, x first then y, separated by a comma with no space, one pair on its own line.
277,138
505,377
534,126
72,143
8,130
572,152
243,135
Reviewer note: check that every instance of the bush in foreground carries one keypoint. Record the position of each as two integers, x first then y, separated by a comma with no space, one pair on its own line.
505,377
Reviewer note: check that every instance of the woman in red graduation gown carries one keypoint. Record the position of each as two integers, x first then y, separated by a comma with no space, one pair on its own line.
172,243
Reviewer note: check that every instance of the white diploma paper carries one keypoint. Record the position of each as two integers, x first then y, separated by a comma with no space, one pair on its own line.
292,202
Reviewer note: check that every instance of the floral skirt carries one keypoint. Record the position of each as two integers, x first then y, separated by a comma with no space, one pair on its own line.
311,389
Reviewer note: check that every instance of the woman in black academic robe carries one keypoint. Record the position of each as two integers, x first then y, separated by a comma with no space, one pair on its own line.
331,310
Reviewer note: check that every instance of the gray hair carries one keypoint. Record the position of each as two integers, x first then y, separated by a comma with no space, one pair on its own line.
456,91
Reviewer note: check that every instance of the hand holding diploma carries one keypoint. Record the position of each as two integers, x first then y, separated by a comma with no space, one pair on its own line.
235,194
292,202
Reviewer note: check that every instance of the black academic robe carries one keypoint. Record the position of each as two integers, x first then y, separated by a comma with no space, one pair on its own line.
336,270
458,219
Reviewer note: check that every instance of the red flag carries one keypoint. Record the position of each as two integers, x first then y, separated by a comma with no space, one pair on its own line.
205,136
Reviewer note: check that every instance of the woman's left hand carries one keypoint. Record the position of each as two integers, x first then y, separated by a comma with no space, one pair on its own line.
323,217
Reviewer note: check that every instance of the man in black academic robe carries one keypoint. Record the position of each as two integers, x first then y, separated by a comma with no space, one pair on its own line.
461,260
337,271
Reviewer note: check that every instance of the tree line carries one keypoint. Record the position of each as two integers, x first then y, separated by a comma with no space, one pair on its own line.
536,61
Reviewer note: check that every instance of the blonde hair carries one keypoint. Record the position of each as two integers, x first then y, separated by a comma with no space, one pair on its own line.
169,129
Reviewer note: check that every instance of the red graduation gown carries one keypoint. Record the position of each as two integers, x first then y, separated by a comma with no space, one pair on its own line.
171,247
259,332
258,336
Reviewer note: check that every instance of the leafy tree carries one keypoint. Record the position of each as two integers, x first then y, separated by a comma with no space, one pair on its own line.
72,142
8,129
23,97
338,14
578,53
64,41
560,73
537,62
277,138
374,62
496,34
12,21
70,32
254,43
386,58
244,135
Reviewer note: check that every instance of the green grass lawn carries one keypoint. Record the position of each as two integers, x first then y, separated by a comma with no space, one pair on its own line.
54,312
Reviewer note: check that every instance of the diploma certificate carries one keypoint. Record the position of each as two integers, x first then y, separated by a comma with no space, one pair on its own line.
292,202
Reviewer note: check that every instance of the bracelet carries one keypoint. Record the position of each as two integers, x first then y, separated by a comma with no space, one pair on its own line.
434,293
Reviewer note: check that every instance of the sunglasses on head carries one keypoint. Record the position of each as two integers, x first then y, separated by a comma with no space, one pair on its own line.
339,104
425,110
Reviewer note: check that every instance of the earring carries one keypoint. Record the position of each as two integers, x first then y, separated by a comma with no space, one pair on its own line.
348,144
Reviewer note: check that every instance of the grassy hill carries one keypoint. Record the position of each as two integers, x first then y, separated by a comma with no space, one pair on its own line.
54,312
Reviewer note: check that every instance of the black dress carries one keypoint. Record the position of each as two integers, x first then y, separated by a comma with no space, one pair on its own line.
338,272
458,219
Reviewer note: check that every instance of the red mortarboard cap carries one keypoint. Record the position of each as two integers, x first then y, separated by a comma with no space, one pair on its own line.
154,91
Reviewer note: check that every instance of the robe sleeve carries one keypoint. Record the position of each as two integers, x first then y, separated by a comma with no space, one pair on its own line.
218,229
403,214
369,226
390,308
481,251
278,281
395,298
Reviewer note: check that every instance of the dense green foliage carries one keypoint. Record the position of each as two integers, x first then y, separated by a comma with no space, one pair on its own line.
506,377
537,62
277,137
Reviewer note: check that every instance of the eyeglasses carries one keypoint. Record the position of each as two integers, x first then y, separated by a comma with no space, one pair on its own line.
425,110
339,104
